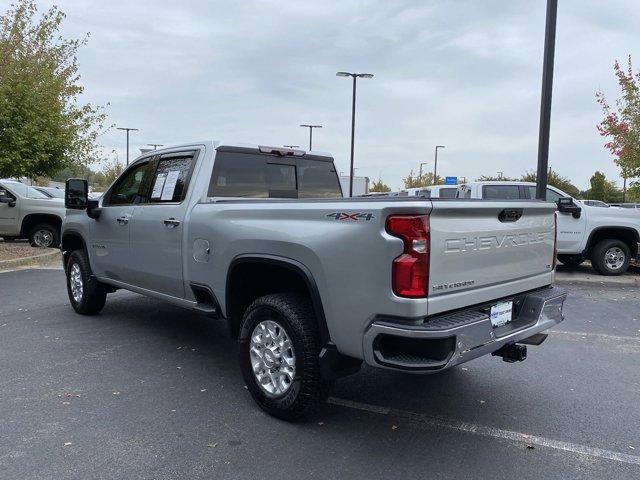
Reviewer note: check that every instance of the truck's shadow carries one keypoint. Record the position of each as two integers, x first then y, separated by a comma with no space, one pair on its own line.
452,394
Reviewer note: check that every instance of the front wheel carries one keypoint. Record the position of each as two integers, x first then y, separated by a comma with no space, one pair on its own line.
611,257
44,235
279,356
86,294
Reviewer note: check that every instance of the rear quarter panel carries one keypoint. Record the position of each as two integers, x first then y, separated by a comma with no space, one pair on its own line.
350,260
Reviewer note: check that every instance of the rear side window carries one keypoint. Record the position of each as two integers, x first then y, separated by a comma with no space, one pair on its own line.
448,192
501,192
171,178
250,175
552,195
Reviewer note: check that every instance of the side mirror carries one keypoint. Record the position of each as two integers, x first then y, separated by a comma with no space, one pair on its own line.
6,198
76,194
567,205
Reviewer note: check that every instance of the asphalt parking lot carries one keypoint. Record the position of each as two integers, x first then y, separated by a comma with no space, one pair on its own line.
148,390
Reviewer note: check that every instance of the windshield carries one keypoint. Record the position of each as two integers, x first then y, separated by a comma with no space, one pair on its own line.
24,190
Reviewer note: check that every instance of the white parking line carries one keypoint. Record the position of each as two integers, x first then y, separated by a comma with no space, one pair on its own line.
601,336
490,432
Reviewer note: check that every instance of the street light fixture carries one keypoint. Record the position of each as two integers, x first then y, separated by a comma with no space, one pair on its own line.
353,117
127,129
435,165
311,127
155,145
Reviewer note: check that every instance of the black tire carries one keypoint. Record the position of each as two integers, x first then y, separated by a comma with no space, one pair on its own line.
94,293
44,235
602,251
308,390
571,260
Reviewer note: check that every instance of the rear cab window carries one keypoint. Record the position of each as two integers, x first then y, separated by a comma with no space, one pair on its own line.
501,192
247,173
448,192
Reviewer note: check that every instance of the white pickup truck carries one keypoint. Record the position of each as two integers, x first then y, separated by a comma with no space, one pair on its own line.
608,236
26,212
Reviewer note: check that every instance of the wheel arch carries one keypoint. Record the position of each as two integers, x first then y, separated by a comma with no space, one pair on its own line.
627,235
32,219
285,270
71,240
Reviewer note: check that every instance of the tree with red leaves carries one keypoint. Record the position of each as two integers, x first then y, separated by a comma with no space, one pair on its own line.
621,124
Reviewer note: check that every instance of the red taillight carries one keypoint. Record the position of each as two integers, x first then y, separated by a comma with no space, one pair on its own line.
555,241
410,271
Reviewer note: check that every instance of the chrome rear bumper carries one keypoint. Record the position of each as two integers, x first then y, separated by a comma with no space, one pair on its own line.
438,343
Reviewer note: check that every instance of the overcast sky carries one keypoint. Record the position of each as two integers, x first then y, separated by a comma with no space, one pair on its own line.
464,74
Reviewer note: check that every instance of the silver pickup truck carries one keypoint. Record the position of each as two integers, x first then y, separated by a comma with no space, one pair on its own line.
311,283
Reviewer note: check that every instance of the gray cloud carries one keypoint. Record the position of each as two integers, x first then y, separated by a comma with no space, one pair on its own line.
465,74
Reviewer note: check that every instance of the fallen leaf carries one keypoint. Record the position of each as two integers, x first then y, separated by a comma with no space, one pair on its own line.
632,447
394,427
212,445
203,390
116,393
320,423
179,368
66,403
481,401
66,444
530,447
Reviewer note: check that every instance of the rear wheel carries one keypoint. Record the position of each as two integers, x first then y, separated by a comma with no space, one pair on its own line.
611,257
44,235
279,356
571,260
86,294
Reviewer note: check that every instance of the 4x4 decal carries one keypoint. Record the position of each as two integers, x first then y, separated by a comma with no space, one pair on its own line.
351,216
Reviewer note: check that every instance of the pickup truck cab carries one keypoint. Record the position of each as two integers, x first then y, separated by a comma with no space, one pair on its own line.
608,236
26,212
312,284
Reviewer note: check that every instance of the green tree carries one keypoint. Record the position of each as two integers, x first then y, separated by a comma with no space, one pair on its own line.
379,186
414,181
43,125
621,124
554,179
603,189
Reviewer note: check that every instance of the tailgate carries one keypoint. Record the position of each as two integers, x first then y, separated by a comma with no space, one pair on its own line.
483,250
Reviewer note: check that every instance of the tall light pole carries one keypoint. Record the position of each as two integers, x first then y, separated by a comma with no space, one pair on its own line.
155,145
435,165
127,129
545,101
311,127
353,117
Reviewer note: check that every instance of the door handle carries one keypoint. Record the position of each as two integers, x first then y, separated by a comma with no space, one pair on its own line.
122,220
171,222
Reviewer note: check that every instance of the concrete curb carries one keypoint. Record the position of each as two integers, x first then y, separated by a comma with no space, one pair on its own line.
34,259
625,280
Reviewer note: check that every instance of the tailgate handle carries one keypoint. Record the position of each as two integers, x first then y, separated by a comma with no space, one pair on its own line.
510,215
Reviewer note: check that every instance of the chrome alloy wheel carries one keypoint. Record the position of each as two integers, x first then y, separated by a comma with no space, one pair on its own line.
614,258
272,358
43,238
75,281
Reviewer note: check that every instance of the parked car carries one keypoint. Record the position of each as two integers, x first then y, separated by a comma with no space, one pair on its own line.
609,237
433,191
25,212
51,192
635,206
596,203
310,283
